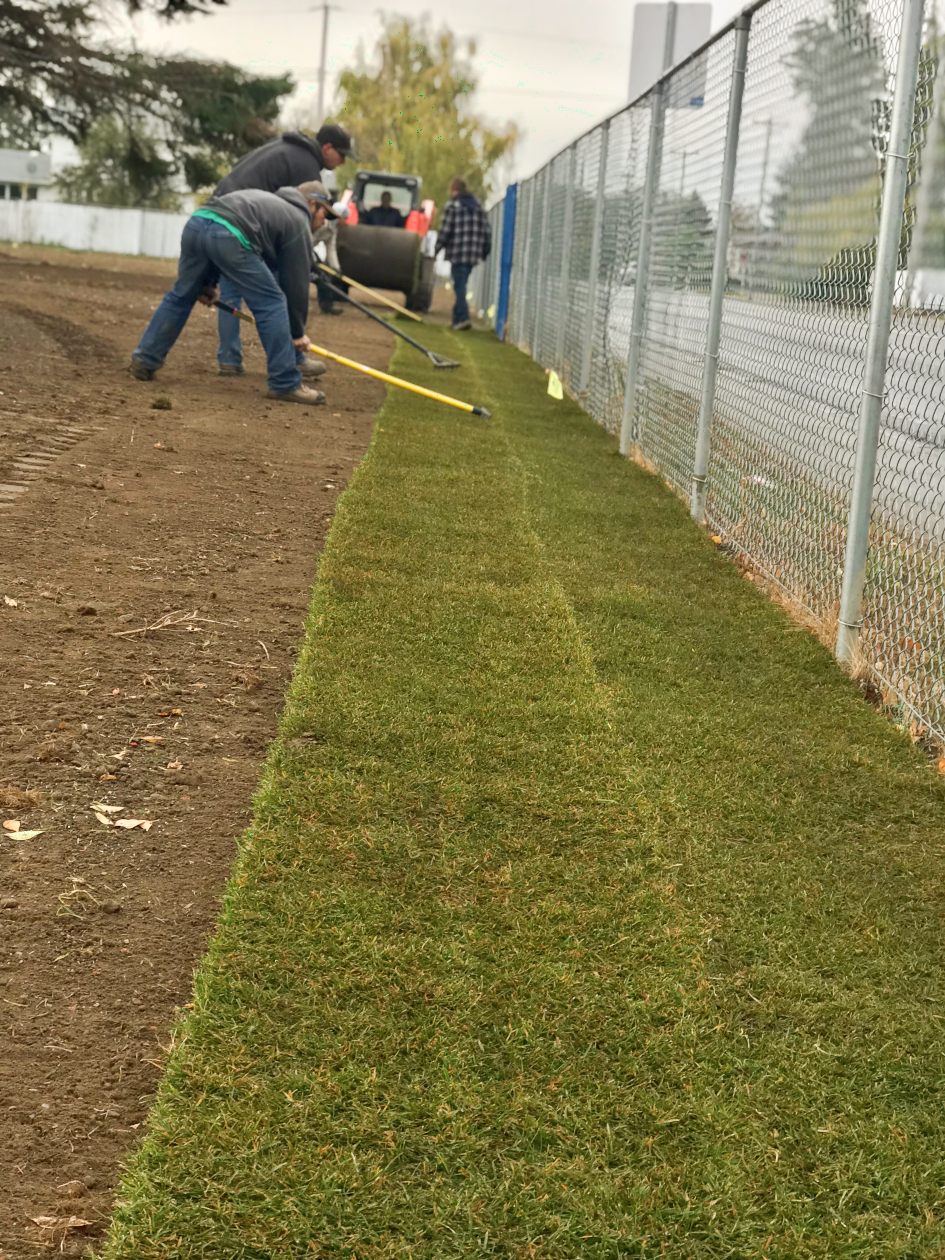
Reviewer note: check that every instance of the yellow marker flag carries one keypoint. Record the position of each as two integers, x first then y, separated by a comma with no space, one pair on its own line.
491,311
554,386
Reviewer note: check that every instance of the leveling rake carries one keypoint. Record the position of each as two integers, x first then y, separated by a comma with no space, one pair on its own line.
470,408
437,360
409,385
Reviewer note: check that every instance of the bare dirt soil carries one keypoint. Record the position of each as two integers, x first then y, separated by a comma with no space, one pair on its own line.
158,544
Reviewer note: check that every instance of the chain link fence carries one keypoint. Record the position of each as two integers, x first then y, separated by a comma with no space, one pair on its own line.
737,207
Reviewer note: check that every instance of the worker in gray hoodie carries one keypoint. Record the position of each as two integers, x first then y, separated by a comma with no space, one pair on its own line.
261,243
293,158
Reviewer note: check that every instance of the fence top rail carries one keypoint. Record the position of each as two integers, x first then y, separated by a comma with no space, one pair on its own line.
744,15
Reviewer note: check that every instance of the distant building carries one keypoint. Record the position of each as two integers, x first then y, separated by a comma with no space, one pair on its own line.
26,175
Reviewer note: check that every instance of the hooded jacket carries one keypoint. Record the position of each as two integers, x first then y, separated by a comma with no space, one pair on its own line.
294,158
465,234
279,228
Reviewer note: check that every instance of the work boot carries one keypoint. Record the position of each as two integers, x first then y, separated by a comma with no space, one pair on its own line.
139,371
330,310
312,367
462,326
308,397
231,369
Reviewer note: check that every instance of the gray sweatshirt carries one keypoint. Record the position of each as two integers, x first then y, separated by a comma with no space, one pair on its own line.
279,227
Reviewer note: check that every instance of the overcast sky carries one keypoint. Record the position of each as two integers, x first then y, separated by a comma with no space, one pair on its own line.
552,66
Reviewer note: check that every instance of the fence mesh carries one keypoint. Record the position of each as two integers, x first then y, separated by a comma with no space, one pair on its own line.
665,403
812,154
904,616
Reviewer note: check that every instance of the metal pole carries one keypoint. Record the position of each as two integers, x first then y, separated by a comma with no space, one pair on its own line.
519,287
543,251
596,233
719,271
877,346
766,157
564,305
653,163
326,8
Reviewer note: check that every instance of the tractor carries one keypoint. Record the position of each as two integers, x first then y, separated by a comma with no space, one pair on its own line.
399,258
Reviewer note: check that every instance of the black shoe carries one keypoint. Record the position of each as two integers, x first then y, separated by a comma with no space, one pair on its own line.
139,371
330,310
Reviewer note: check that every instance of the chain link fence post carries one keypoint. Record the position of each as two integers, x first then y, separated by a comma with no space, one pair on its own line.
538,324
651,185
880,325
590,325
519,287
563,302
719,270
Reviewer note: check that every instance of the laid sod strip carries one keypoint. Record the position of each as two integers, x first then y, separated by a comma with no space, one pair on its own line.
587,911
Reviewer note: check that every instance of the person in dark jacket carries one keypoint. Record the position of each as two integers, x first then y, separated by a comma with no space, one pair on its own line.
260,242
384,215
465,237
294,158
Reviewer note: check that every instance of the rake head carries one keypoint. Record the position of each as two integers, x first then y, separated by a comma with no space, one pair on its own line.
438,361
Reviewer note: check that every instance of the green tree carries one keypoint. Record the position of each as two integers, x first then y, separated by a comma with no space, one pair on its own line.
120,165
173,121
57,79
209,115
216,113
826,205
410,109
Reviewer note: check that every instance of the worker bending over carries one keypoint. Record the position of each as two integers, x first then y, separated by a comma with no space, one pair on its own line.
261,243
295,157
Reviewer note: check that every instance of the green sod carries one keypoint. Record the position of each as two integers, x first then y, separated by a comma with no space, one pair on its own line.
587,911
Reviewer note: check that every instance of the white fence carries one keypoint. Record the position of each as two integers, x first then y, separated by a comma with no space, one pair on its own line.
100,229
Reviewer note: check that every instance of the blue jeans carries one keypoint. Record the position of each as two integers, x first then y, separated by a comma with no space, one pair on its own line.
461,274
208,253
230,349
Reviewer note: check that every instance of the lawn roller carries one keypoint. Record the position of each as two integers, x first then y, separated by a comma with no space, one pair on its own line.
437,360
401,310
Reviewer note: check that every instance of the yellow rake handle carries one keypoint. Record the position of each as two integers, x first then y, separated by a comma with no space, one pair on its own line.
408,385
364,289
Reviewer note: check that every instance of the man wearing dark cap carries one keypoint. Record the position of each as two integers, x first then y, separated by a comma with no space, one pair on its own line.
292,159
261,244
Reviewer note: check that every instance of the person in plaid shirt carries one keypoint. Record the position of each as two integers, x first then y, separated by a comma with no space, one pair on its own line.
466,239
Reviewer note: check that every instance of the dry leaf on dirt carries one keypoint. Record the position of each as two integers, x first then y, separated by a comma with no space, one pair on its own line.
56,1223
144,824
151,739
10,603
171,713
174,765
105,809
104,819
27,835
19,798
11,824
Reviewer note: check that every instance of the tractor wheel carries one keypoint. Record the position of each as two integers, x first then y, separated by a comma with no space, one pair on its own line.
421,298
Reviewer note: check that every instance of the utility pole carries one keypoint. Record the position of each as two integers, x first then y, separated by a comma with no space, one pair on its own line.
325,10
